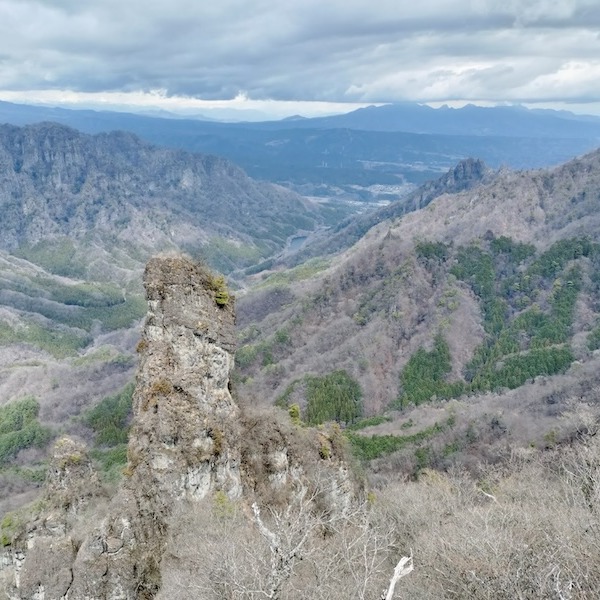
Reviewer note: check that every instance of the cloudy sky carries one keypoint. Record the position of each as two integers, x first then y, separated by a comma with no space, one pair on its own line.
307,56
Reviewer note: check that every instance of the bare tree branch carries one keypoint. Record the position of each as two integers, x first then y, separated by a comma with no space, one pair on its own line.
403,568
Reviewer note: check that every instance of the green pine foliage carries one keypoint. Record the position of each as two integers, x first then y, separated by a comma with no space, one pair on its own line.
116,316
554,260
371,447
283,401
110,316
87,295
110,418
528,305
515,370
246,355
111,460
369,422
333,397
475,266
219,287
516,251
110,422
424,375
20,428
432,251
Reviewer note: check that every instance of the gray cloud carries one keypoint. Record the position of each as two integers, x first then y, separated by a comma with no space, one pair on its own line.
350,50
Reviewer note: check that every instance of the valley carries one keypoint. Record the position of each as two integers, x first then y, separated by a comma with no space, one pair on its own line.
367,156
448,339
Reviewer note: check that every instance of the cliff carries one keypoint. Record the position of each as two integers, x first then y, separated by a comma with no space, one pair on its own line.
56,182
466,175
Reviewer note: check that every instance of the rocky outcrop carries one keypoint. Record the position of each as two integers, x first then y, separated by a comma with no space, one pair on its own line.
467,174
184,435
70,481
183,439
183,445
188,441
38,563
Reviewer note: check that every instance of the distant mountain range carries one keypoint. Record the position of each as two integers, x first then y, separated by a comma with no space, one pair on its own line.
407,117
375,153
503,121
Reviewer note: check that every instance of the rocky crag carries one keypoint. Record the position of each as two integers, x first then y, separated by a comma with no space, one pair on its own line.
187,442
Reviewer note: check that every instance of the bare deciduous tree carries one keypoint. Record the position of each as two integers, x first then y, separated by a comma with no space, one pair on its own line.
305,550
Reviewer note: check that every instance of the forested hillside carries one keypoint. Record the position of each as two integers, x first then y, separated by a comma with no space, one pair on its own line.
483,292
121,198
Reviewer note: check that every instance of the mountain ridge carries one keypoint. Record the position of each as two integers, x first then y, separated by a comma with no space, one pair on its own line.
465,175
409,117
340,158
56,181
381,289
467,120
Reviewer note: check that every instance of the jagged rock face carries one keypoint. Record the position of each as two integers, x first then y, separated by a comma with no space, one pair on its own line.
55,181
466,175
184,414
42,557
71,480
183,439
183,446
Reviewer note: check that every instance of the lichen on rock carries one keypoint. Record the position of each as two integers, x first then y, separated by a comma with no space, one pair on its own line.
182,394
71,480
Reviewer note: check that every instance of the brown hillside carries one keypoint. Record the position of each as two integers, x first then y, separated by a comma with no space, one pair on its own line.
378,303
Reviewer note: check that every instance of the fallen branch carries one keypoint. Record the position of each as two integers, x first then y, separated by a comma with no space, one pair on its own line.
404,567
